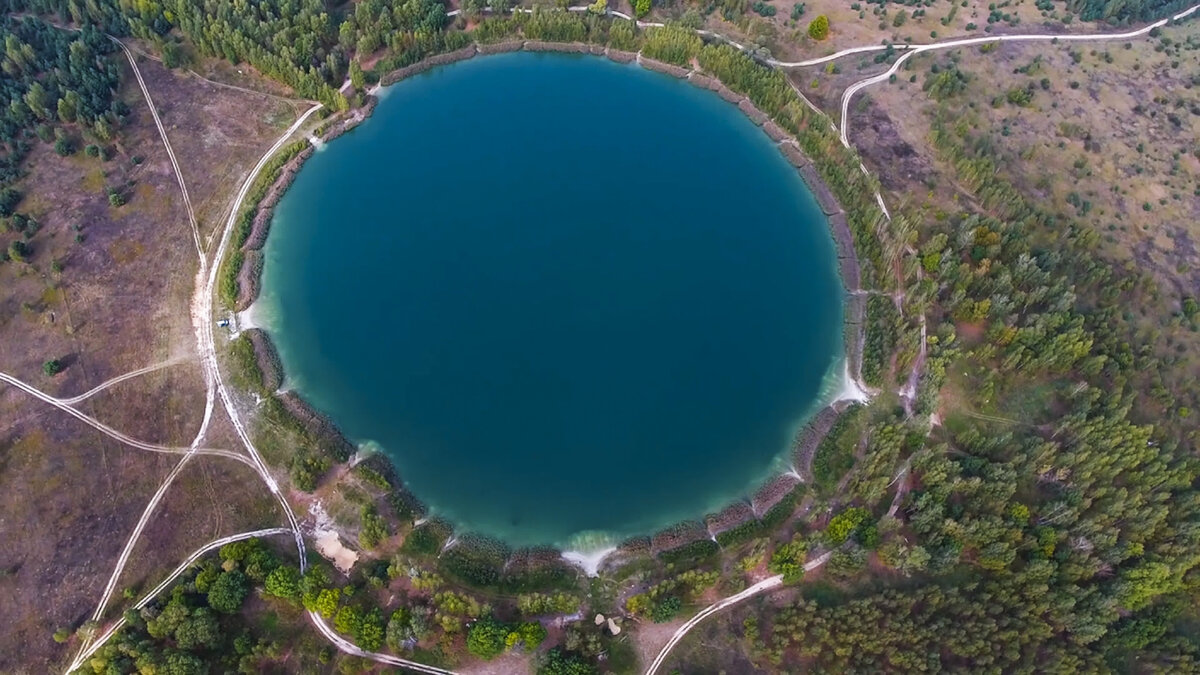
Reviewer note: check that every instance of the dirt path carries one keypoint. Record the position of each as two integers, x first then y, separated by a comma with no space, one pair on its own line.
119,379
99,640
767,584
967,42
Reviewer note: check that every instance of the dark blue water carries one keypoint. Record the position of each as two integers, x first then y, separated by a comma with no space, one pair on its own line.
562,294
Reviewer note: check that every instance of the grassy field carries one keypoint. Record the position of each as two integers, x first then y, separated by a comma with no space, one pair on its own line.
770,23
106,290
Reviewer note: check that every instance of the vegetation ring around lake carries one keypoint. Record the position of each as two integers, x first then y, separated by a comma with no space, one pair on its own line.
560,332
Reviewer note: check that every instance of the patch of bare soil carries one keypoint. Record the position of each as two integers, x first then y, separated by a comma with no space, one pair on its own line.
511,663
649,638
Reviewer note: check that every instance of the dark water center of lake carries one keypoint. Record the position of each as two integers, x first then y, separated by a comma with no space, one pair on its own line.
563,295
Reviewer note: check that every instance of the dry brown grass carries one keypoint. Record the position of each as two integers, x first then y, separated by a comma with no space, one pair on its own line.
788,40
70,495
1080,142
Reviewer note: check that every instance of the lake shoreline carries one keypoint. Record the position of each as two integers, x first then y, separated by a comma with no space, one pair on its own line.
776,492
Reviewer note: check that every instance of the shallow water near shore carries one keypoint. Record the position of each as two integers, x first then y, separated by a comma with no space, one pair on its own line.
571,300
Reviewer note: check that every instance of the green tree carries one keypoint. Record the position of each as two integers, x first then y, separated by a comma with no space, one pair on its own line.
1139,585
200,630
528,634
52,367
641,7
327,600
818,28
789,558
844,524
184,663
370,631
486,638
38,100
67,109
348,620
314,581
228,592
357,79
283,582
172,54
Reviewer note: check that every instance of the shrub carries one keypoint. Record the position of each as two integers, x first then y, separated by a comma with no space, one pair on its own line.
9,198
18,250
763,9
818,29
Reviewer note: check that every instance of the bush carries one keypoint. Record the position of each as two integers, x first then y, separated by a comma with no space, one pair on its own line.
92,150
818,29
374,527
763,9
18,250
777,515
52,367
63,147
9,198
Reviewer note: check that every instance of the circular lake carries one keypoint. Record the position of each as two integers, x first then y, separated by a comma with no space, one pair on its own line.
565,296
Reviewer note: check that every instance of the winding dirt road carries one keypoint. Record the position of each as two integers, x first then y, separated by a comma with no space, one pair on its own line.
967,42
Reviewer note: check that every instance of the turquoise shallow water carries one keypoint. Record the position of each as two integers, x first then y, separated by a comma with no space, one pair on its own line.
563,295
